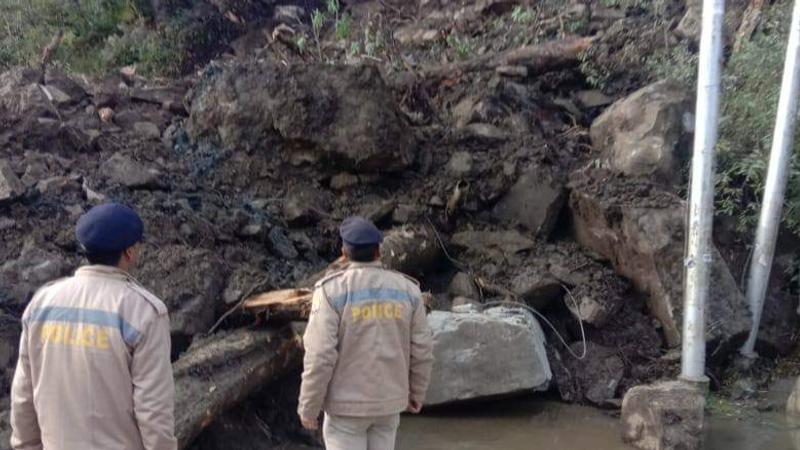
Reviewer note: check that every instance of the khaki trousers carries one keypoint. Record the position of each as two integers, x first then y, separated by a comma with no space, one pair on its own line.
360,433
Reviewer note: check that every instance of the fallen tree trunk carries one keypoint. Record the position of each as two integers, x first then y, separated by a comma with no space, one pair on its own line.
286,304
537,59
221,370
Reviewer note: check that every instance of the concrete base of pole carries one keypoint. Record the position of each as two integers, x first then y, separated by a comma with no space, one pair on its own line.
665,416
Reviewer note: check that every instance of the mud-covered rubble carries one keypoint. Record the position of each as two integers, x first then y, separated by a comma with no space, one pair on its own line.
486,183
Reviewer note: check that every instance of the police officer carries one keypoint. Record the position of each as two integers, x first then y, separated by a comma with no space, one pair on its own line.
368,348
94,370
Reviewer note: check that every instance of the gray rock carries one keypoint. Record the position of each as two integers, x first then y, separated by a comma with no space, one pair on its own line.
410,251
648,132
462,286
343,180
305,205
11,187
484,131
663,416
494,244
127,172
192,292
341,115
289,14
404,214
147,130
534,202
33,268
640,243
592,306
281,245
593,98
57,186
536,287
480,355
379,212
460,164
594,379
414,35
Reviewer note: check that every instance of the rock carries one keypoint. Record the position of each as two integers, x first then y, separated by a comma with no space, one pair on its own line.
305,205
593,98
147,130
251,230
105,114
591,306
689,25
10,329
289,14
647,133
190,281
480,355
343,116
123,170
404,214
644,244
793,404
460,164
243,280
534,202
484,132
343,180
512,71
381,211
462,285
414,35
536,287
494,244
411,251
281,245
58,186
11,187
663,416
33,268
595,379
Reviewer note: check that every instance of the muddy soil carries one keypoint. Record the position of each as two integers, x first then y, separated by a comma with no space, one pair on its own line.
243,170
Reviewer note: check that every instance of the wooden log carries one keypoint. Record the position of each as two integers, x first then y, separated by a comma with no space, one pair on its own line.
285,304
539,58
221,370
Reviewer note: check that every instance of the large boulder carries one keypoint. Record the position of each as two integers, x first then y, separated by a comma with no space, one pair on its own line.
647,133
411,251
534,202
190,281
21,277
496,245
664,416
343,115
479,355
643,239
10,185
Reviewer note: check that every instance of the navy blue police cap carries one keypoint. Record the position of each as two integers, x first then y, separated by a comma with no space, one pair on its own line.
359,232
109,228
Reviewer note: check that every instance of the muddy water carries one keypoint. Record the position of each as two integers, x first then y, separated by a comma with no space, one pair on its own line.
536,424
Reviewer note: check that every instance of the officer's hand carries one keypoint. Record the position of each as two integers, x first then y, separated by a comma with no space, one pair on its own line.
309,424
414,407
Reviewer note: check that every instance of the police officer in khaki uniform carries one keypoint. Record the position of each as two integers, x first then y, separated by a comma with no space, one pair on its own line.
94,371
368,348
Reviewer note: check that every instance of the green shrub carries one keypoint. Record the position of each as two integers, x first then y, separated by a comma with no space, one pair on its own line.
98,35
749,100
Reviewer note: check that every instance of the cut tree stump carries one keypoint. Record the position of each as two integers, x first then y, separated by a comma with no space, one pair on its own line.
219,371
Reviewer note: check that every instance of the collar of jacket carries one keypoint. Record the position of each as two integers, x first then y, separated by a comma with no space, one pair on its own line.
360,265
102,271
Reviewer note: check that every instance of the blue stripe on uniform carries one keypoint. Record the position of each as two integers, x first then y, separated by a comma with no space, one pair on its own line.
378,295
88,316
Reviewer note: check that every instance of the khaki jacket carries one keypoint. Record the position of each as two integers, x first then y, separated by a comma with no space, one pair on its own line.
94,371
368,345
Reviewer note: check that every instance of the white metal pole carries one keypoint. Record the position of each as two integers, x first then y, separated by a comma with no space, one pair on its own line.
701,197
775,187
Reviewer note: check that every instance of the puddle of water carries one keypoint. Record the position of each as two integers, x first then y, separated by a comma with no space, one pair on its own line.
535,423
